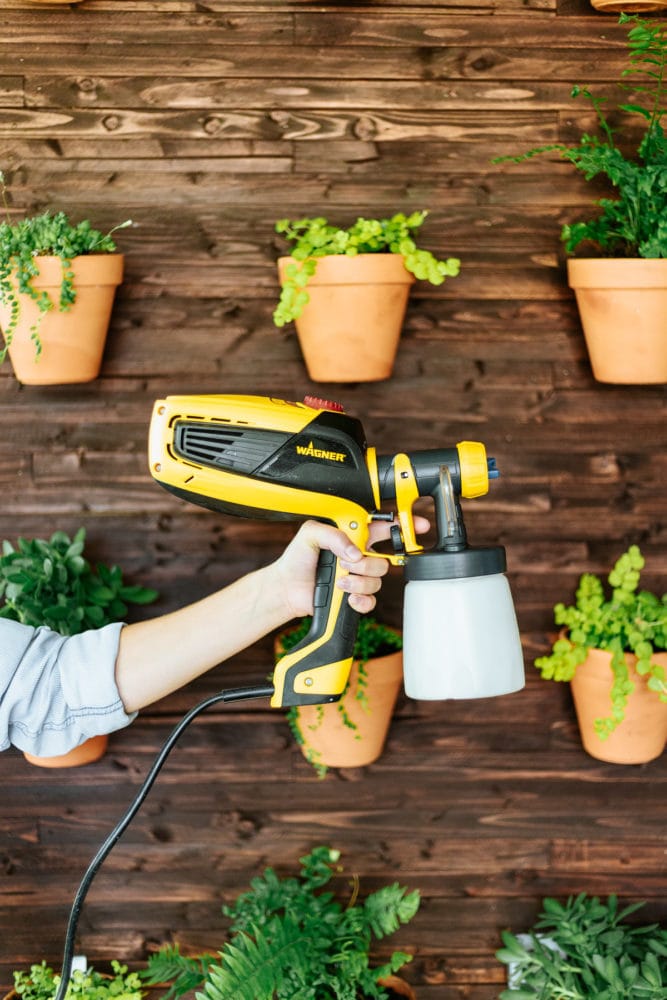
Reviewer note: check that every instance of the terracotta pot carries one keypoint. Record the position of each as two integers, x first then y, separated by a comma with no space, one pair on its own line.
324,731
628,6
643,733
350,328
623,309
72,341
398,987
86,753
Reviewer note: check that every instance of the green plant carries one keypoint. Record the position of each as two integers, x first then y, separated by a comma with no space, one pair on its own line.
313,238
22,242
51,583
631,620
41,983
584,950
373,639
635,223
291,940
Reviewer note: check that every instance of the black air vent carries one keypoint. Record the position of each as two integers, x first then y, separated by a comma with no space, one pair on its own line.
225,447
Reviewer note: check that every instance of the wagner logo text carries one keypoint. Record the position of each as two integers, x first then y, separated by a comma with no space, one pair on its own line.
312,452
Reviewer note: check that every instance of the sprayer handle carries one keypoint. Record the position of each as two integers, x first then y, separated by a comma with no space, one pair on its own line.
316,670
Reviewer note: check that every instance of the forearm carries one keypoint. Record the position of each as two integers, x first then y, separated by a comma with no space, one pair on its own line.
159,655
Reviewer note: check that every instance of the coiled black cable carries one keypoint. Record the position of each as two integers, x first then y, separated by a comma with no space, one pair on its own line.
233,694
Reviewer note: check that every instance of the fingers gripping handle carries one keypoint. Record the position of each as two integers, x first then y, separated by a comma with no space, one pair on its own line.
317,669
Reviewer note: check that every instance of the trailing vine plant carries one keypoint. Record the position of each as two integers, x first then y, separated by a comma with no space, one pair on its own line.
23,242
313,238
631,620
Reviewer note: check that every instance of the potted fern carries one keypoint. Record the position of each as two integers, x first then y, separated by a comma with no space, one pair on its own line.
50,582
291,937
611,650
350,732
620,281
583,949
347,291
57,285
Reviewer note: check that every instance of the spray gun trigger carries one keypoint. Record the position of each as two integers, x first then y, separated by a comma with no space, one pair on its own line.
407,492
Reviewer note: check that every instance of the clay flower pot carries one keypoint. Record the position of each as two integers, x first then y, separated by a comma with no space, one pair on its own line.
629,6
72,341
86,753
642,735
350,329
623,308
398,987
348,733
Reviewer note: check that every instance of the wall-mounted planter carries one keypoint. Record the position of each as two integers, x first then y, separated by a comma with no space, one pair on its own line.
629,6
623,309
72,341
351,732
330,739
350,328
642,734
87,752
398,988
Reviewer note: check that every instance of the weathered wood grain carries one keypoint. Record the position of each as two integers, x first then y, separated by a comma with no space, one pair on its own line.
205,121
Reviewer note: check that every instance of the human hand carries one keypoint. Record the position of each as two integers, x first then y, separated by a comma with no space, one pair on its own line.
298,563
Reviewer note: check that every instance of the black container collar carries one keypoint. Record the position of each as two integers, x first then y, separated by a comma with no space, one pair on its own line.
469,562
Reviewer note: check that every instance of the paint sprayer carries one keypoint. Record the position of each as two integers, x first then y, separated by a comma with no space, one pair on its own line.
260,457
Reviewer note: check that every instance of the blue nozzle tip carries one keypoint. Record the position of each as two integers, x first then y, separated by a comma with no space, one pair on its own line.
493,470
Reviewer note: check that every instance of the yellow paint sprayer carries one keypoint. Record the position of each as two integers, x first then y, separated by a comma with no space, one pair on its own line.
260,457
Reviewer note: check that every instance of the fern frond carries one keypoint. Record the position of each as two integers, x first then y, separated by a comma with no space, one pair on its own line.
169,966
257,967
388,908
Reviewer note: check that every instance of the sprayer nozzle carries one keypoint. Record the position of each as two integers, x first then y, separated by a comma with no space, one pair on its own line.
494,471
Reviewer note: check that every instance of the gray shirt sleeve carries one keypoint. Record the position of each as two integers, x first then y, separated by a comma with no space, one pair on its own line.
56,691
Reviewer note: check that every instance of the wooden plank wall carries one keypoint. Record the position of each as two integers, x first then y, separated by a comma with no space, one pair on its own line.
204,121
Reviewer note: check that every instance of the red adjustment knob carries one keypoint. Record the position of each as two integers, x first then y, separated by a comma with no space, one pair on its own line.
323,404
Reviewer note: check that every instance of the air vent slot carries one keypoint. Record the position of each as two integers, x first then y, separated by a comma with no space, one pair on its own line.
237,448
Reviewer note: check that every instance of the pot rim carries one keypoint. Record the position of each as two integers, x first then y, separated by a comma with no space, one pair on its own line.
617,272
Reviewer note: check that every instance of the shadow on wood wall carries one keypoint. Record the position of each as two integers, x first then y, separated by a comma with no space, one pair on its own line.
205,122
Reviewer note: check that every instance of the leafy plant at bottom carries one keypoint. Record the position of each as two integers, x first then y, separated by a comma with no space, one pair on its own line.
313,238
631,620
41,983
373,640
52,583
585,950
635,223
292,940
22,243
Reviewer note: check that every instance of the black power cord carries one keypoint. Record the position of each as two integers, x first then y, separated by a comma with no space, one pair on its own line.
233,694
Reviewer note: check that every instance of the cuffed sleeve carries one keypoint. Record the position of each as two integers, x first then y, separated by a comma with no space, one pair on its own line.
56,691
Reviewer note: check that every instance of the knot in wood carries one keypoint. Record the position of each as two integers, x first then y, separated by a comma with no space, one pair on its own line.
86,84
212,125
364,128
